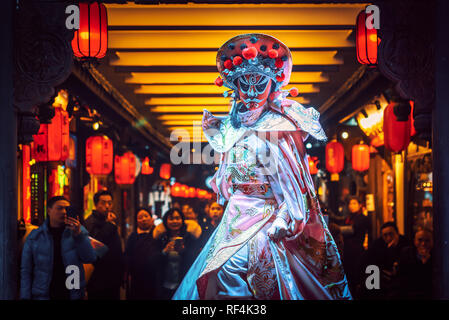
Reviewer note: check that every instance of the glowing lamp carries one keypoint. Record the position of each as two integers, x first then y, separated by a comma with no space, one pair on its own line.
165,171
360,157
125,168
99,155
366,41
91,40
52,141
335,157
146,168
396,133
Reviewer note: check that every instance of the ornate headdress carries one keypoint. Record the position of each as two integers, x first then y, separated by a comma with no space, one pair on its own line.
254,53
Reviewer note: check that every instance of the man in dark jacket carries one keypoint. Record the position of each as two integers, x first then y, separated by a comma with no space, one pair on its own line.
60,242
107,276
385,252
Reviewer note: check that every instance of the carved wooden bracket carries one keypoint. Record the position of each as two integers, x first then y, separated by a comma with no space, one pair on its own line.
43,54
406,55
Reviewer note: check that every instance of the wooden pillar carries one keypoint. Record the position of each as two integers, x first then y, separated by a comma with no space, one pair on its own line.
8,159
440,138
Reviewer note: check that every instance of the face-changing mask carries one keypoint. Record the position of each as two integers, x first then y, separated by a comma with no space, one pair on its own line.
254,90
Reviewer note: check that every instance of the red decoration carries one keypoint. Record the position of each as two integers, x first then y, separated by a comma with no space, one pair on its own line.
279,63
228,64
219,82
366,41
273,54
396,133
412,120
146,168
125,168
99,155
191,192
360,157
51,143
281,77
165,172
26,184
294,92
312,165
91,40
249,53
237,60
335,157
176,190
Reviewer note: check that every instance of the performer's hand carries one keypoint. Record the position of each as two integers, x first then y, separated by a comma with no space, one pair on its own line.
278,229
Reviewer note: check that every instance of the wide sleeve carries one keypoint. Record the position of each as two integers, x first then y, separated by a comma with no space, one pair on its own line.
291,182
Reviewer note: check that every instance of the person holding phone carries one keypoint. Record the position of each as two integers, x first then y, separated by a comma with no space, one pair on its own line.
61,241
178,248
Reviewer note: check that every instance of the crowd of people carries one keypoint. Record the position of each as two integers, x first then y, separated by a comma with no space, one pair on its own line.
405,265
155,258
160,251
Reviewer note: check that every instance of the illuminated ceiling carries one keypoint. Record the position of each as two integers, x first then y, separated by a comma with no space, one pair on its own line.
162,57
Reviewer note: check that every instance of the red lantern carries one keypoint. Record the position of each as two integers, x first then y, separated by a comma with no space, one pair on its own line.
125,168
183,191
165,172
396,133
51,143
176,190
312,165
99,155
366,41
360,157
91,40
146,168
335,157
191,192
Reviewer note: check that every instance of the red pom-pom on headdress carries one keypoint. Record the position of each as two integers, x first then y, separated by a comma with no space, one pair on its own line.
273,54
294,92
228,64
237,60
249,53
219,82
281,77
279,63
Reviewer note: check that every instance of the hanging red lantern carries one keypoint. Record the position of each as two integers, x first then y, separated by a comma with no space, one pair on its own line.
51,143
360,157
99,155
125,168
191,192
165,172
146,168
183,191
312,165
176,190
366,41
91,39
396,133
335,157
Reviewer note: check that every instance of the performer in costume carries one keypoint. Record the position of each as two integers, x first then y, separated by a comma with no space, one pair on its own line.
272,242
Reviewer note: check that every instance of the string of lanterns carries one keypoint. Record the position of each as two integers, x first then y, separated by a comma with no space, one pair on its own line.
184,191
